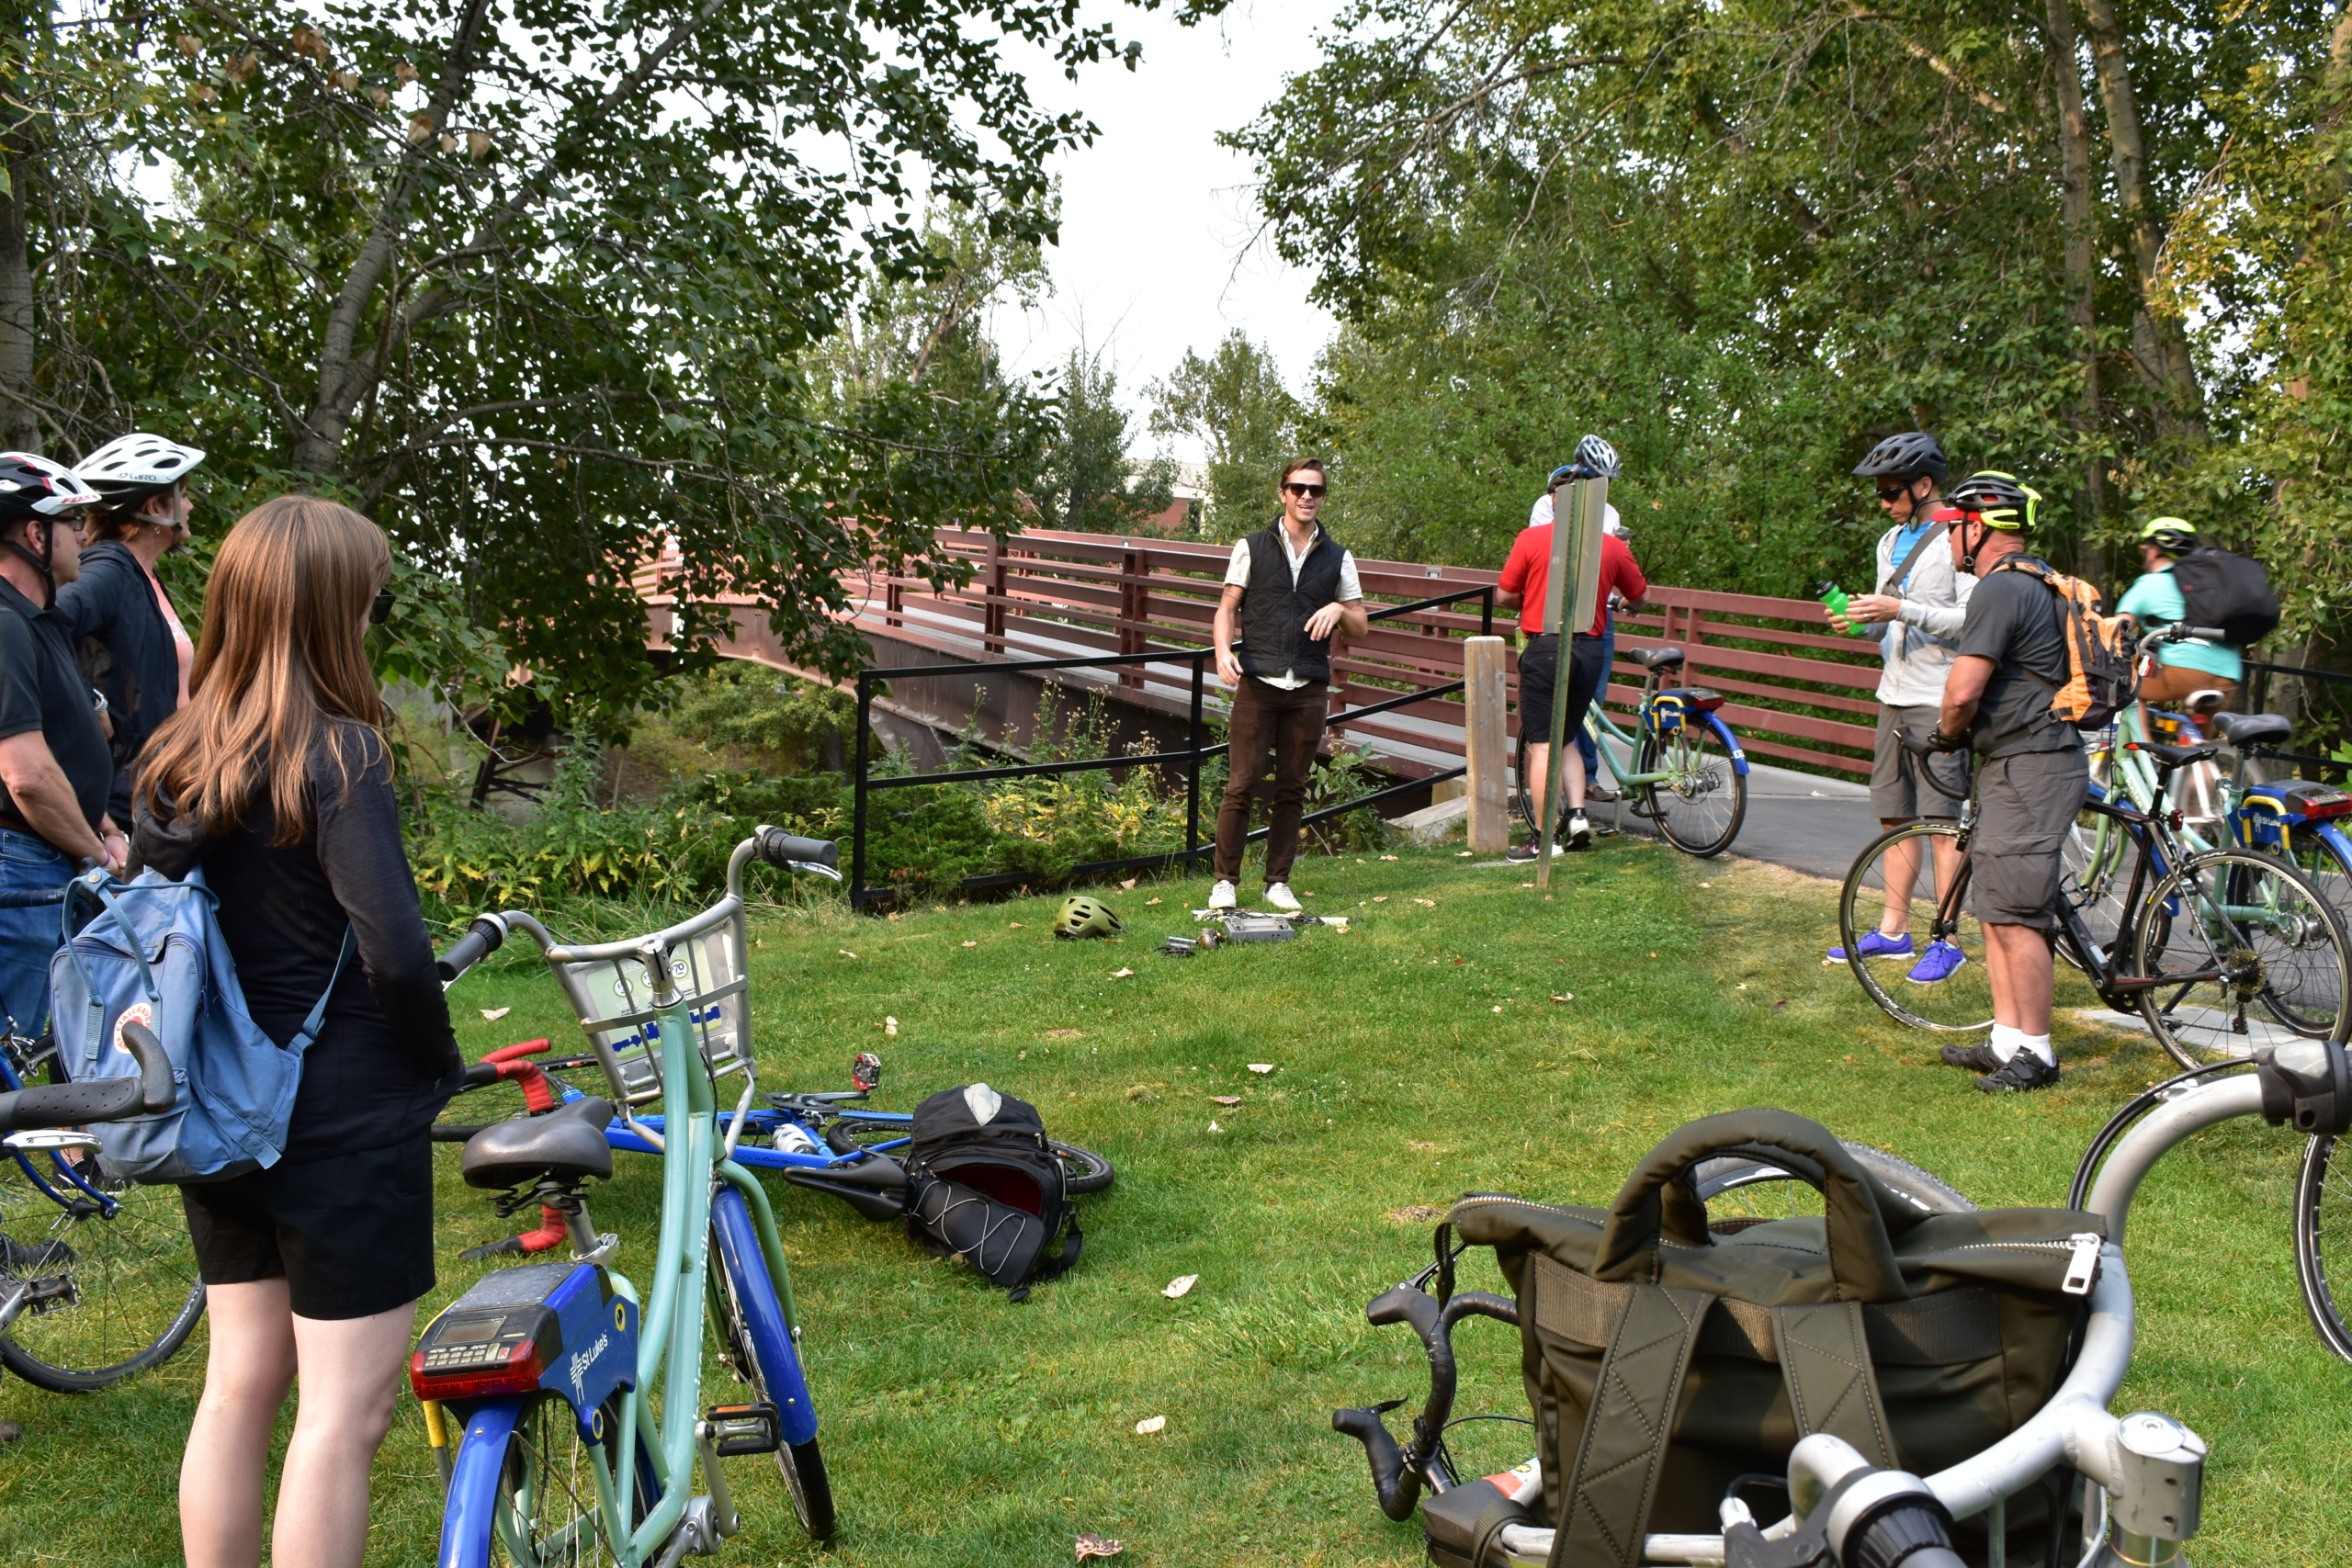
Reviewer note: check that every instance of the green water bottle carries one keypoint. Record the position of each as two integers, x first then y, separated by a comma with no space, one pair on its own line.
1835,597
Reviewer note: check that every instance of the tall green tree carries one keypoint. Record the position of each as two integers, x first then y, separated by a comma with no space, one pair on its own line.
1090,483
1235,405
539,284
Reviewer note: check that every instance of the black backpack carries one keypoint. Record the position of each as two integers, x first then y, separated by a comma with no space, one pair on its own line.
2227,591
985,1185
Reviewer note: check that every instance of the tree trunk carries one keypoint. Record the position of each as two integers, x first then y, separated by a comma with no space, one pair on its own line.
2158,339
2082,303
19,425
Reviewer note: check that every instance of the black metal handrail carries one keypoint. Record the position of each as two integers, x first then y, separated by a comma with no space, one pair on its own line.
1191,757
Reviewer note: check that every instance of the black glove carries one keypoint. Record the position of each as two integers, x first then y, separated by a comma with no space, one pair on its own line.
1939,741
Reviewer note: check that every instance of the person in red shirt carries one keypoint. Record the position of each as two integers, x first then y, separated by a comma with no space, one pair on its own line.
1523,586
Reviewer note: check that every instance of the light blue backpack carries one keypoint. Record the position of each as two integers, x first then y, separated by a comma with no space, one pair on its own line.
153,954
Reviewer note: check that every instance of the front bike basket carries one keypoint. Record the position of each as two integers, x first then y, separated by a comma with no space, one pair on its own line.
613,1001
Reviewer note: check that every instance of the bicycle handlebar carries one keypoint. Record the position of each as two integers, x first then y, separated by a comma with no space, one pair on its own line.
2181,631
97,1100
483,938
779,848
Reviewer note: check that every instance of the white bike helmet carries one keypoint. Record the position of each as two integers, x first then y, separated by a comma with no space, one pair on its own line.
129,469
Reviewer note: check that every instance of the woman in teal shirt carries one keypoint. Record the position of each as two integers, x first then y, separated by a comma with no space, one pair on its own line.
2156,601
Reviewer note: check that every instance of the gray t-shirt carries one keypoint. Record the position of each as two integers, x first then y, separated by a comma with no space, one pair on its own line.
2013,621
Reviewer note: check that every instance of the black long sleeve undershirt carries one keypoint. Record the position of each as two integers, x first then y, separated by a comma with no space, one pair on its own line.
372,1076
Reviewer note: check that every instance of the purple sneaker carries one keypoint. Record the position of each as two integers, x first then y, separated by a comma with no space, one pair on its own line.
1942,961
1877,945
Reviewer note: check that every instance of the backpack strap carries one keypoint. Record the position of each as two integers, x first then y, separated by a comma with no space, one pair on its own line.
1825,1362
1902,573
310,1025
1606,1504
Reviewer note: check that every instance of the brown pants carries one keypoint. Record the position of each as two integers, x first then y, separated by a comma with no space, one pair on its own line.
1289,726
2171,683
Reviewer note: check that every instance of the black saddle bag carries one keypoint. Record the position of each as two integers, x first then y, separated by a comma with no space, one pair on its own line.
985,1185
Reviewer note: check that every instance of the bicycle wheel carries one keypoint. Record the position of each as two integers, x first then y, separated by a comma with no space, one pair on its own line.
1740,1192
1701,805
1961,1002
523,1493
2323,1239
2328,867
2094,865
118,1286
2246,952
760,1350
1084,1170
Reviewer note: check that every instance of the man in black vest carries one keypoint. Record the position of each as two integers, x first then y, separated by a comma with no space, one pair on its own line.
1288,588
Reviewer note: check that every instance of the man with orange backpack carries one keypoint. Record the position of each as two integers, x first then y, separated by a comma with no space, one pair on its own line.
2020,684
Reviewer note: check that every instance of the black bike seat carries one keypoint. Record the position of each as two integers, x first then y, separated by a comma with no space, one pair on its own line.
1655,657
2245,728
2178,756
567,1144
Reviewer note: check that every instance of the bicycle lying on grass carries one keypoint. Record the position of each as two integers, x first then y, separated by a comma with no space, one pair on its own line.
98,1275
581,1402
1688,770
2216,950
91,1269
2141,1475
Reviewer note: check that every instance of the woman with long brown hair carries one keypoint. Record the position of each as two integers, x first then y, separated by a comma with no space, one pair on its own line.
275,779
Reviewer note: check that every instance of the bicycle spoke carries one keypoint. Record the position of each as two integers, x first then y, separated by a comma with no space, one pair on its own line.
1947,996
2259,960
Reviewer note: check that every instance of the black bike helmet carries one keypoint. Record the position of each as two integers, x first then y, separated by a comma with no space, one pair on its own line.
2171,535
34,489
1996,500
1905,457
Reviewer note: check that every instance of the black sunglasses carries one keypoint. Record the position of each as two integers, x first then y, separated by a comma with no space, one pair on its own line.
1896,494
1305,490
381,610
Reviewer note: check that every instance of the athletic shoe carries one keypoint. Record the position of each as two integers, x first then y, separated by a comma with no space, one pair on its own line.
1579,831
1976,1058
1221,896
2021,1073
1280,896
1878,944
1521,853
1942,962
24,1259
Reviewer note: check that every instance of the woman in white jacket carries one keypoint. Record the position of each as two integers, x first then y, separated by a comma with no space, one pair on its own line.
1915,613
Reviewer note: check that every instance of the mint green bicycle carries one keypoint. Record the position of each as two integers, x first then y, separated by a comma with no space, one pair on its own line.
1690,775
580,1402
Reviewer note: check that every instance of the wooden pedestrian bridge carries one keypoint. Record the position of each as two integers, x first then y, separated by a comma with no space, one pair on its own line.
1798,693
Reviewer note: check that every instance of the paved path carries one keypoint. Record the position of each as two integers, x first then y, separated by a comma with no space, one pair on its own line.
1799,820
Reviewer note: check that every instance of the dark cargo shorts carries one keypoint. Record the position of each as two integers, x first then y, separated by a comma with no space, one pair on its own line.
2026,810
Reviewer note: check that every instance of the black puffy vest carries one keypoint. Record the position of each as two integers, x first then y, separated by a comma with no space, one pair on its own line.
1275,610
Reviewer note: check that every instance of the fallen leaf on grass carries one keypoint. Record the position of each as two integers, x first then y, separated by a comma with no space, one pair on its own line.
1778,1005
1414,1214
1388,857
889,1025
1426,903
1175,1289
1149,902
1564,996
1150,1425
1262,1067
1225,1099
1015,925
1061,1034
494,1014
1425,1148
1741,987
1129,883
971,944
1121,974
1380,898
1096,1546
845,952
1527,884
1215,1128
1462,854
1706,884
1497,1009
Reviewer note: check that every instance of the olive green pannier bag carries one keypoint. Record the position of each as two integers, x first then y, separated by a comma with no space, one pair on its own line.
1919,1338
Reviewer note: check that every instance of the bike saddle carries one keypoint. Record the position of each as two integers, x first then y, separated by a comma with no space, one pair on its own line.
2178,756
1655,657
2246,728
567,1144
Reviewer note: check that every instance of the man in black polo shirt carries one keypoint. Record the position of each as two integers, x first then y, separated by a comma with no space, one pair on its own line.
2032,774
55,765
1288,590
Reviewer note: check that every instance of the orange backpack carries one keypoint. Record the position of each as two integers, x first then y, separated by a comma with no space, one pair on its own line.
2100,680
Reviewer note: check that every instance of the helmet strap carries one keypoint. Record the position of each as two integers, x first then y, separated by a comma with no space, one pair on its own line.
40,563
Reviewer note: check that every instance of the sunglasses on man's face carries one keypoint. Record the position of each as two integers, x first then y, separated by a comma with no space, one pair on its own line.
1899,493
1305,490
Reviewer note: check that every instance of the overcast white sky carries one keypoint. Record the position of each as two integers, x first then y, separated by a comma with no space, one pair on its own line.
1156,216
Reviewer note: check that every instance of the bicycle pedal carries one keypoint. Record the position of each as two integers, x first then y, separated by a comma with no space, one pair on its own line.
753,1429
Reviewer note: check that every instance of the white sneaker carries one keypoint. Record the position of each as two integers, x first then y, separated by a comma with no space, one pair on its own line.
1221,896
1579,832
1280,896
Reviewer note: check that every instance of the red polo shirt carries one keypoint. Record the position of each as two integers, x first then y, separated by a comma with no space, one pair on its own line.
1530,568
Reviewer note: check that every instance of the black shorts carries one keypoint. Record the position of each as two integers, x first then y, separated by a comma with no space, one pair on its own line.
351,1234
1537,667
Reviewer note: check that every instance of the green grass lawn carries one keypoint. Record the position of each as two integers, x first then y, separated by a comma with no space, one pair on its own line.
1419,1055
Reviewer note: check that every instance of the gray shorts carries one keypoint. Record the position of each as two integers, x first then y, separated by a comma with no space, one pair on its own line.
1898,790
2026,806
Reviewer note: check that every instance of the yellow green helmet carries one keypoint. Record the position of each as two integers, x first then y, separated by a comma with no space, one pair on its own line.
1080,915
2174,535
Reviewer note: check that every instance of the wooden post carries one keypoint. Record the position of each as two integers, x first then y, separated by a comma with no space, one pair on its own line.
1485,718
